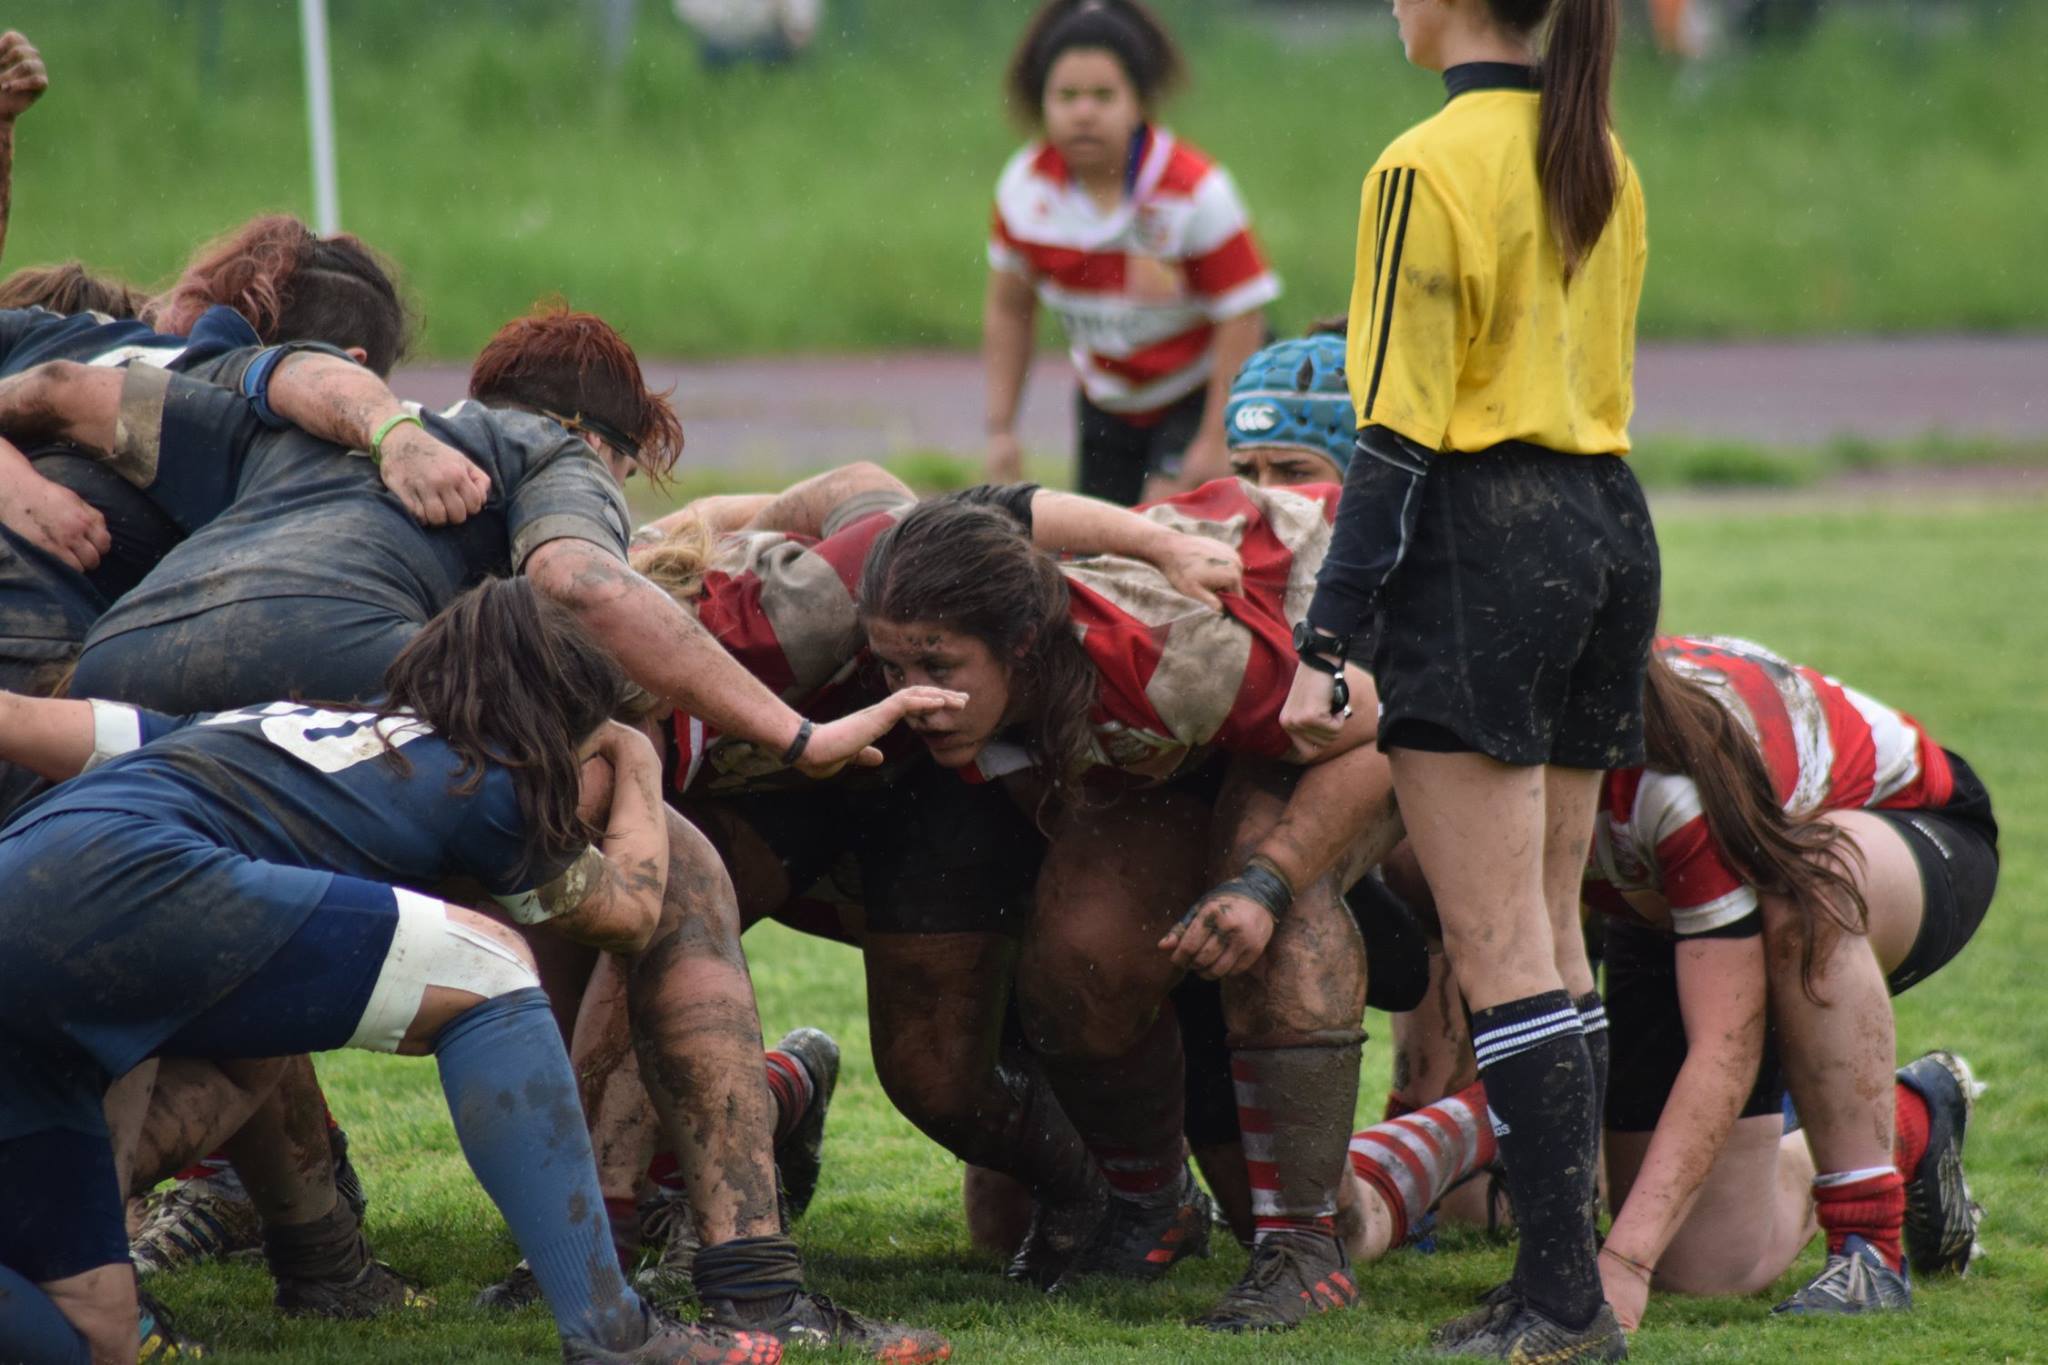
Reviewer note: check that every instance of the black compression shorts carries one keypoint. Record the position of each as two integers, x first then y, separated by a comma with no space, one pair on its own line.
1956,846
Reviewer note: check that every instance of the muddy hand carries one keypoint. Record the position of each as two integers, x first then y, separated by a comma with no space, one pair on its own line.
1221,935
436,482
23,78
850,739
1200,568
55,519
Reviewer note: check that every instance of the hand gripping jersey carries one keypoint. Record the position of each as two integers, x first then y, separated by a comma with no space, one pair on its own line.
1176,678
1140,289
1828,747
286,786
312,521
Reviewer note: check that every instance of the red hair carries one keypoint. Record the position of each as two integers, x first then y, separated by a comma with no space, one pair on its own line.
291,285
575,368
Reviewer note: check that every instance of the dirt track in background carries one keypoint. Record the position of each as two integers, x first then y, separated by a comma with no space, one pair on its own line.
783,414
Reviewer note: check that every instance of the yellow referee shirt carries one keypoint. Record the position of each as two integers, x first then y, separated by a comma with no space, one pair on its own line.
1463,332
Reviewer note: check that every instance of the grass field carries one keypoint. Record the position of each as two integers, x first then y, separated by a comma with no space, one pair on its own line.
1881,177
1933,609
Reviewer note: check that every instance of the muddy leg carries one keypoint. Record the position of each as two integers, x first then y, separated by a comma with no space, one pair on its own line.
698,1037
198,1105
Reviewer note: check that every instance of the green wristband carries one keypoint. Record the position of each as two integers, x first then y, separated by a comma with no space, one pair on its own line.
386,427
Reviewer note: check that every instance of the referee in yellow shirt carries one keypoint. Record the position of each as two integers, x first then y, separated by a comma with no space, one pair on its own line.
1498,553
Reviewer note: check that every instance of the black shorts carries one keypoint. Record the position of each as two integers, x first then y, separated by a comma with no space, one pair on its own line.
1117,455
1956,846
1518,622
926,854
1646,1032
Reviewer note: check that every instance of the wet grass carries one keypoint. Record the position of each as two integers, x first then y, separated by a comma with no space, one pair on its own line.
1929,609
1878,177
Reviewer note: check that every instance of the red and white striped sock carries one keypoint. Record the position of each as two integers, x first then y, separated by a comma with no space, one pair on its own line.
1411,1160
1274,1207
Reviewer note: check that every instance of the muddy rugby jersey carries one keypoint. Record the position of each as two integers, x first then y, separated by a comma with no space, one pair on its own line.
1828,747
312,520
1138,289
1464,331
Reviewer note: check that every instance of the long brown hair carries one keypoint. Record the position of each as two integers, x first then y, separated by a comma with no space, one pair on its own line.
971,569
507,677
1686,730
1123,28
1575,162
292,285
70,288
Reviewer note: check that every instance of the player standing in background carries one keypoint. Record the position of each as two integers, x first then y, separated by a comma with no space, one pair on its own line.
1501,556
1136,240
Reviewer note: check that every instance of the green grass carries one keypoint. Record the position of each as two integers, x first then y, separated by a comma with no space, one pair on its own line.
1917,607
1881,177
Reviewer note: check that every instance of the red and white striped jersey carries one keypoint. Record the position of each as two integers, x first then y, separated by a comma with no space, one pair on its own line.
1175,678
1140,288
1828,747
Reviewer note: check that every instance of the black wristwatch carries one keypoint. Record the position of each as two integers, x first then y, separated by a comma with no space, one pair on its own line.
1325,653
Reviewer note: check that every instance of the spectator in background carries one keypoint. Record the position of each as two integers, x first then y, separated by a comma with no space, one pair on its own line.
770,32
1138,242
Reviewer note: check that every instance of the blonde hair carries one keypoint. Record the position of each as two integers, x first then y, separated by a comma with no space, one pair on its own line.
678,561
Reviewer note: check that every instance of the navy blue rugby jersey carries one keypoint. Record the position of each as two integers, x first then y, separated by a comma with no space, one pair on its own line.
311,520
307,787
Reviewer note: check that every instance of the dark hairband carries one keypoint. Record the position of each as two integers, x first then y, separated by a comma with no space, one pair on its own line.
611,435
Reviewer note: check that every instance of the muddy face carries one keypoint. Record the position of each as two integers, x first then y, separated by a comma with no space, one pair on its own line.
915,653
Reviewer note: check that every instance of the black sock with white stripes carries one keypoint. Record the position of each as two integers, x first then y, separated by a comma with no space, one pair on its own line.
1539,1089
1593,1024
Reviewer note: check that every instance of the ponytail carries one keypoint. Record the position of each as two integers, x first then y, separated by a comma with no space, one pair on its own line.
1687,731
1575,161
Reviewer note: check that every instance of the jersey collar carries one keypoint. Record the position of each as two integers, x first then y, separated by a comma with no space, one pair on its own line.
1469,76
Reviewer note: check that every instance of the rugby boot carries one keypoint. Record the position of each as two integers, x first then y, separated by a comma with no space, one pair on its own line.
518,1289
1292,1276
1855,1281
1514,1331
193,1222
1058,1229
668,1224
1496,1303
347,1182
1135,1241
160,1340
799,1156
324,1269
1941,1218
755,1284
670,1342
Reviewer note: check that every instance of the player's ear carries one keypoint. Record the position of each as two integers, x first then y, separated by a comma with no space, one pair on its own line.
357,354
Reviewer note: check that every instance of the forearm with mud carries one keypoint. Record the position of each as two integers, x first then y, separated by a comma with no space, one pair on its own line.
1340,818
621,910
1724,1028
697,1034
62,400
1068,523
334,399
659,645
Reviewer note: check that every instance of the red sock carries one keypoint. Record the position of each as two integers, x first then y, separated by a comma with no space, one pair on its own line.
792,1088
1873,1208
665,1173
212,1164
1909,1129
1396,1106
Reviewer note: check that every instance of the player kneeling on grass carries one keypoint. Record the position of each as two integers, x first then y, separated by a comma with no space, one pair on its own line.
259,858
1804,849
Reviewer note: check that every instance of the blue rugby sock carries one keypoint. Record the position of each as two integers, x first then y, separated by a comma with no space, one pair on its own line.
513,1098
34,1329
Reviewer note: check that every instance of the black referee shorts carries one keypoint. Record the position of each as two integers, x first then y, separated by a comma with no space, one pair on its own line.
1518,623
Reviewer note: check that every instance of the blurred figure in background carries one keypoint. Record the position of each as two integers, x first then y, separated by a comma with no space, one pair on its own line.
770,32
1138,242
